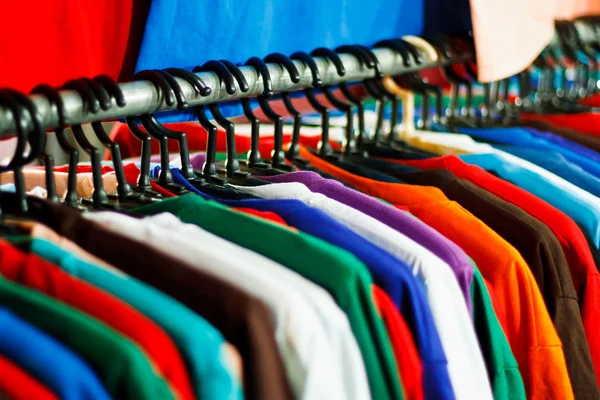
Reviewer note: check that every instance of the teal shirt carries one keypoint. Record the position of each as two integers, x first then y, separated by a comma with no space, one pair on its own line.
201,345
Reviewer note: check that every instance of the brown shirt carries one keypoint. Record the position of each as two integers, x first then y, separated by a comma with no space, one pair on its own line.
541,249
244,320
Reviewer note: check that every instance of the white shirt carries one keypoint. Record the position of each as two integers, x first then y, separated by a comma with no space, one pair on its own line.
308,354
466,366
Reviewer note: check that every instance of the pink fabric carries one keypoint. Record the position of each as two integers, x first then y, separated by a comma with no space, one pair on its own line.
85,184
509,34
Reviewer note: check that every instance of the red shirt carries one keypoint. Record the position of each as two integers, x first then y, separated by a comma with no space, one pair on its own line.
583,122
266,215
68,40
583,270
19,385
35,272
405,351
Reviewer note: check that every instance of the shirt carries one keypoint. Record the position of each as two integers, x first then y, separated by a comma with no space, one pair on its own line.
312,369
407,355
243,320
568,141
98,49
337,271
47,360
201,345
90,338
582,206
444,297
570,135
559,165
585,122
342,341
581,263
523,138
392,275
19,385
40,275
535,343
543,254
392,217
502,368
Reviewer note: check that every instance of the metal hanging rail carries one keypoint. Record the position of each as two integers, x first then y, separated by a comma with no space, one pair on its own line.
142,96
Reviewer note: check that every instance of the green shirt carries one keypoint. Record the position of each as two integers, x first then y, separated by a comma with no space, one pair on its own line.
334,269
502,366
123,369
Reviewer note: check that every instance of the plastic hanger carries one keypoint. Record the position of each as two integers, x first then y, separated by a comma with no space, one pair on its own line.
15,164
210,170
165,179
163,83
454,115
331,56
20,105
293,153
364,61
91,102
407,96
324,148
232,167
422,45
55,101
105,84
38,142
277,155
143,183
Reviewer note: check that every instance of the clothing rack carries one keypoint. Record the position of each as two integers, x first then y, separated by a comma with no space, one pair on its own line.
142,96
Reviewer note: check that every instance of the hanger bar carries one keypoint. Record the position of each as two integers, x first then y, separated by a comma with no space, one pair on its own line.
142,96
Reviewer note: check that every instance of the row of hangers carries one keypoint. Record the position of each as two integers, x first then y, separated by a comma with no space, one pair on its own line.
99,92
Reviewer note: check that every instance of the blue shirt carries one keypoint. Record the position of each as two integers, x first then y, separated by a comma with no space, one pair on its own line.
524,138
199,342
566,143
582,212
48,360
184,34
559,165
389,273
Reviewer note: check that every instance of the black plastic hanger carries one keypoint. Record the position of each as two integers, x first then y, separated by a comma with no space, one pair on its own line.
39,139
364,61
110,88
20,106
55,101
277,155
407,80
330,55
293,153
232,167
324,148
162,134
16,163
91,102
254,163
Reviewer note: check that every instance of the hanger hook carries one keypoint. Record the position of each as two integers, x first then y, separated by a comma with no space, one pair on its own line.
293,152
232,165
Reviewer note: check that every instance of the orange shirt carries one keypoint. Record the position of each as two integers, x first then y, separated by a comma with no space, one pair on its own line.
527,324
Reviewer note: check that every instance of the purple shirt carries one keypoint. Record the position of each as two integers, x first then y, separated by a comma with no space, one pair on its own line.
461,264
